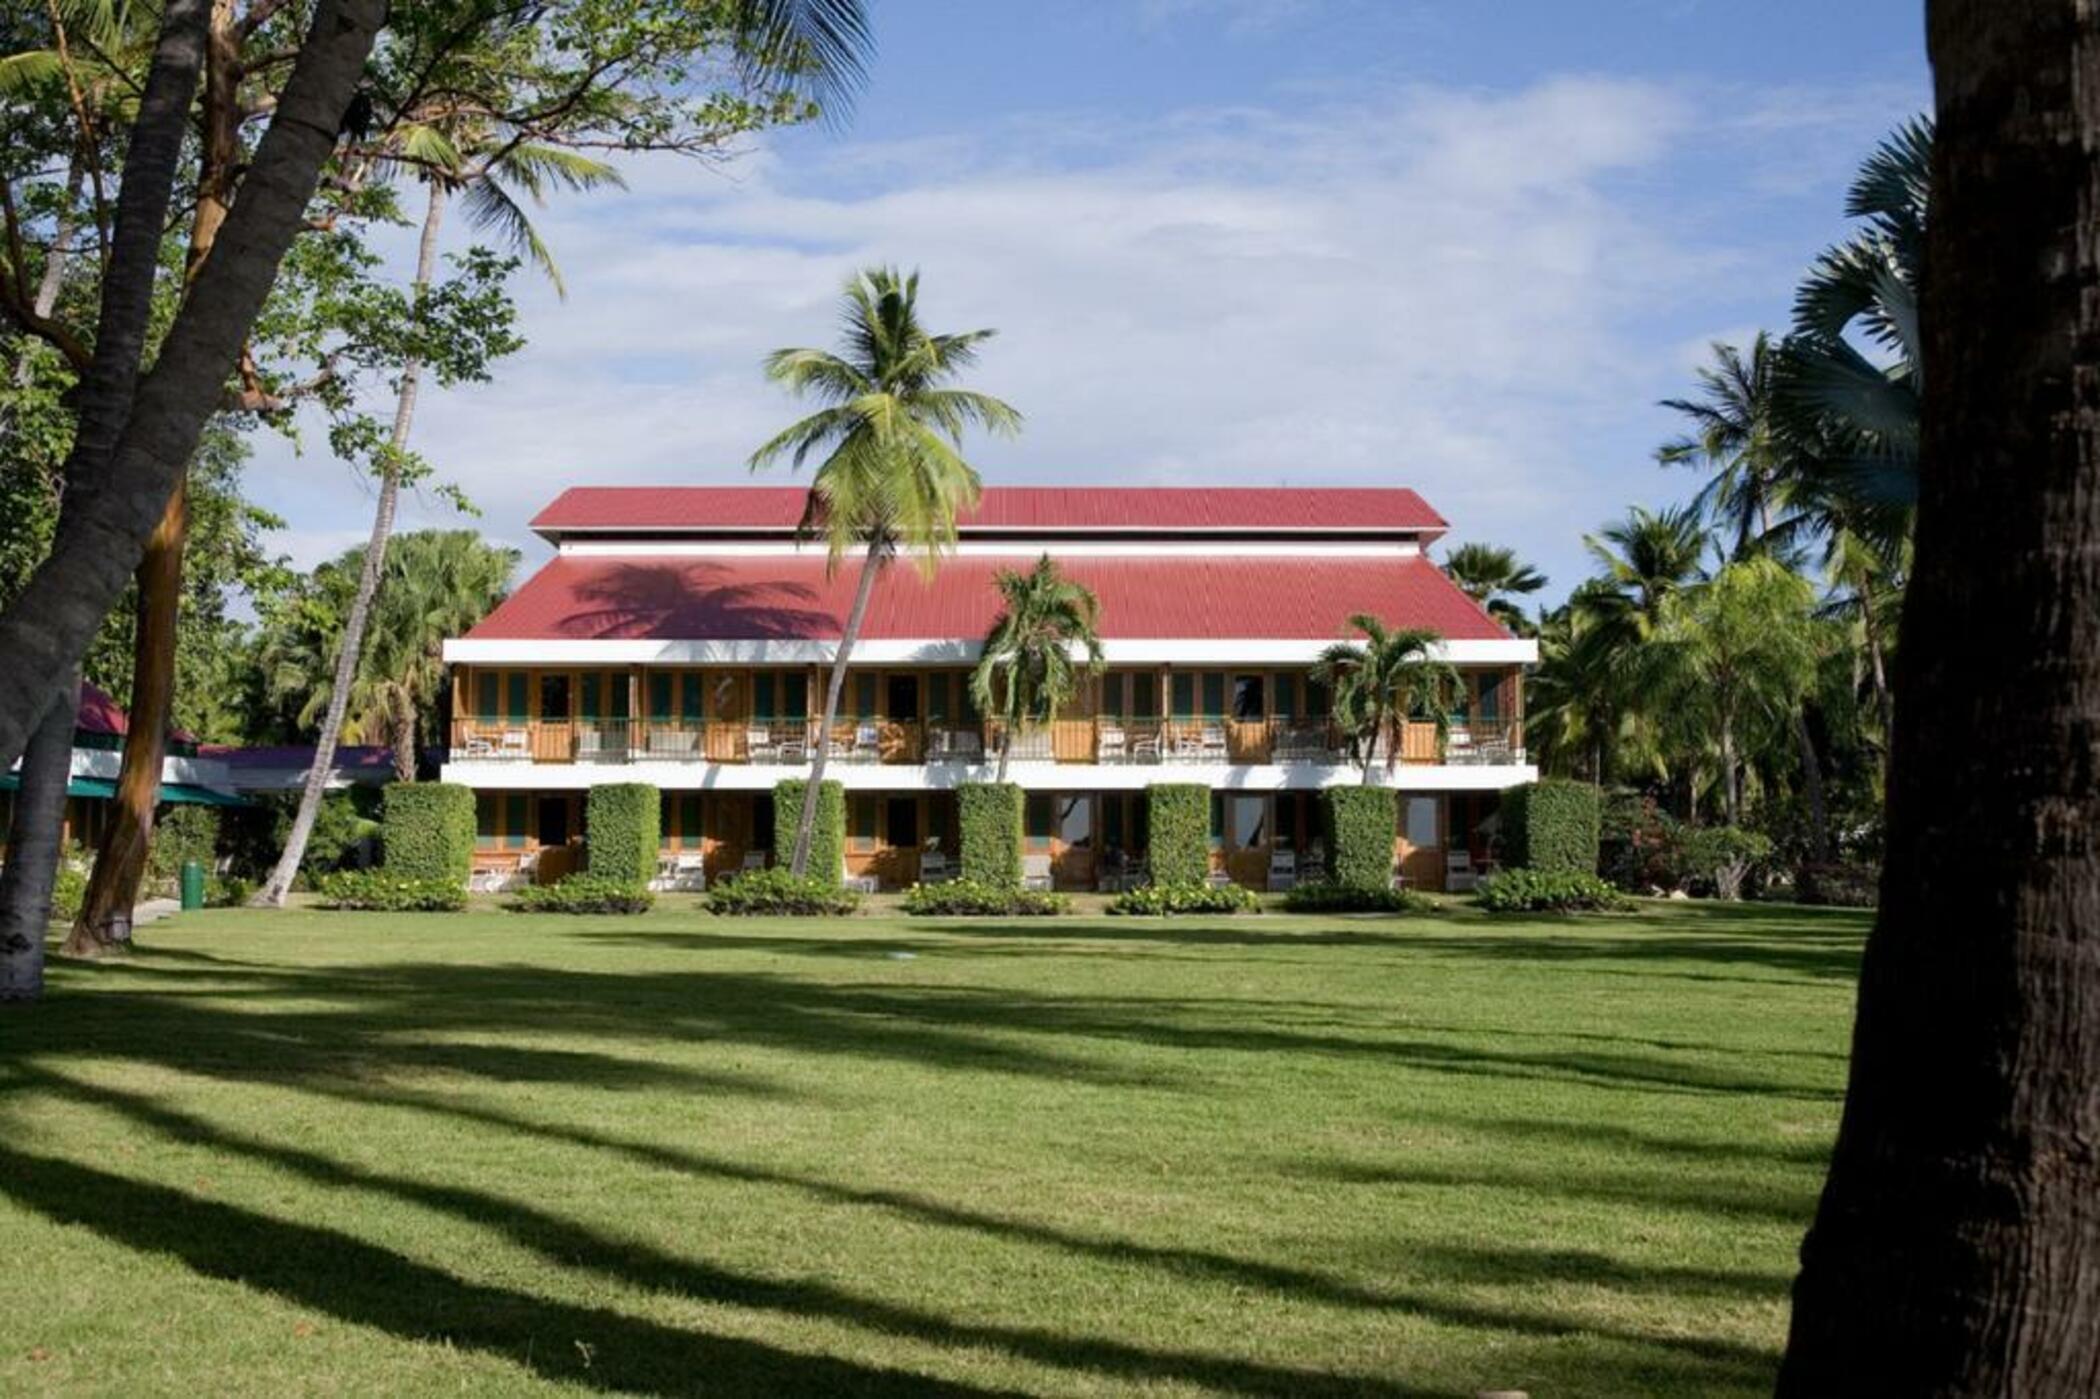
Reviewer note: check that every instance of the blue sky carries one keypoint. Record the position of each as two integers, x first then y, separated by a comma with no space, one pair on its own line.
1463,246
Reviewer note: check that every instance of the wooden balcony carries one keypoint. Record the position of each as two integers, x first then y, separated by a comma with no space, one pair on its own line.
792,743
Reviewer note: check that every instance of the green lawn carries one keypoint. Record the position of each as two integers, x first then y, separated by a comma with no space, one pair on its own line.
346,1154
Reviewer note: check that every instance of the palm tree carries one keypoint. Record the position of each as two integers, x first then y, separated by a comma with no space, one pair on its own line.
1738,437
1025,674
1492,577
1572,710
891,436
1379,683
1645,558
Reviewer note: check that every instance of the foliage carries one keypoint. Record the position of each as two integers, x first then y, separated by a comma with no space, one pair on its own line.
1738,437
1378,685
621,834
69,885
1637,845
384,891
1360,824
989,822
1721,856
1548,891
427,830
1552,825
1025,673
182,833
253,836
584,893
1167,900
827,841
779,892
1494,577
1178,817
1844,884
1325,896
971,896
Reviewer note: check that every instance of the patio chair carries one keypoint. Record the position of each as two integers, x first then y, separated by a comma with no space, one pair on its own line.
1283,870
867,743
478,746
1144,747
1035,872
1113,746
1211,744
1218,879
753,860
689,871
517,743
933,864
666,871
1459,875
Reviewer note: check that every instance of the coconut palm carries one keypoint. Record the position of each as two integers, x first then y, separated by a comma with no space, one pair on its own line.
892,475
1026,672
1493,577
1380,683
1738,436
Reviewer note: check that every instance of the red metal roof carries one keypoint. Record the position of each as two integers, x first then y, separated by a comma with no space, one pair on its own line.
99,714
677,598
1047,508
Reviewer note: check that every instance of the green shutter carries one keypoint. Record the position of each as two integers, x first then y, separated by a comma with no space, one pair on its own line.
937,697
864,696
689,833
1287,819
795,694
1144,695
762,697
1184,695
616,687
1283,695
694,698
519,705
1041,817
863,816
515,819
587,699
1217,819
1490,696
659,696
1213,695
484,818
485,695
1112,821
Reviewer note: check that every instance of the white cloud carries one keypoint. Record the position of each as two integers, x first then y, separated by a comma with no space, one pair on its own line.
1448,289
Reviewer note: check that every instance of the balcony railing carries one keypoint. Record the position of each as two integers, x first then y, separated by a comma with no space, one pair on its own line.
1165,742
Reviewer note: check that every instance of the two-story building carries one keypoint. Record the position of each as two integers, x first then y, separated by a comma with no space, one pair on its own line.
682,636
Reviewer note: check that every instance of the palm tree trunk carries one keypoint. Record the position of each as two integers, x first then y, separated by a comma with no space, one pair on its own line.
1877,664
404,738
1812,791
34,847
1953,1251
1006,748
135,436
806,824
1731,801
104,920
279,884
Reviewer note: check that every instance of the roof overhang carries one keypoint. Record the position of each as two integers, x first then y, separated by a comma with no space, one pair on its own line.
1254,651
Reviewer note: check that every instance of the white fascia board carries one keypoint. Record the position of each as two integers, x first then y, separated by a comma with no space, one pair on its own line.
107,764
938,777
1005,549
906,651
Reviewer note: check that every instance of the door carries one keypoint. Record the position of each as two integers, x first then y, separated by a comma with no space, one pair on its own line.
900,867
900,736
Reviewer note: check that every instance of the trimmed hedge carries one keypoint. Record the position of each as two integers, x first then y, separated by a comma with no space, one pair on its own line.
989,815
1166,900
1178,814
1323,897
1552,825
975,897
428,831
1361,823
775,891
1549,891
621,826
383,891
827,842
584,893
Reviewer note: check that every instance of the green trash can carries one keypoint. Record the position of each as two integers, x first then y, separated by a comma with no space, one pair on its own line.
192,885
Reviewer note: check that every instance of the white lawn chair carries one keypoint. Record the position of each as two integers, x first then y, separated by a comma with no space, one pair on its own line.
1035,872
1283,870
759,746
867,743
1459,875
689,871
1211,743
1113,746
1218,879
516,744
478,745
1145,747
933,865
666,870
753,860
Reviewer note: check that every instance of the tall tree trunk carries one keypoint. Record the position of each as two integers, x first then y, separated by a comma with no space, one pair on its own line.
273,892
1877,665
104,921
1812,790
34,847
137,435
404,738
1956,1249
120,865
806,823
1731,800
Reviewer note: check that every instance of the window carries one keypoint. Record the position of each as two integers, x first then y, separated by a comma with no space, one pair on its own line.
692,696
487,827
1217,820
1491,696
1075,822
1184,691
937,687
1250,822
1213,695
587,687
762,821
554,698
1422,822
660,696
485,695
904,696
553,825
516,814
762,697
616,694
1144,695
1249,697
864,696
1039,817
861,815
1284,687
1319,700
1287,820
515,708
794,694
690,831
903,815
1112,807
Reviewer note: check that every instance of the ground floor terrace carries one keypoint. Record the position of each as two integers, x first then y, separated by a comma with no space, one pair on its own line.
1071,840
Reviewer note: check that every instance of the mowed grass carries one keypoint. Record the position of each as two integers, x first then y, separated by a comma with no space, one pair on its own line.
316,1153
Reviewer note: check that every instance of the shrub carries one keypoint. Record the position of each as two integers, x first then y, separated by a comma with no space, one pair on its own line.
621,832
1548,891
1637,848
1360,823
1322,896
1178,815
775,891
69,886
428,831
1721,856
1846,884
229,891
384,891
989,815
345,823
974,896
180,834
827,842
585,893
1165,900
1551,825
